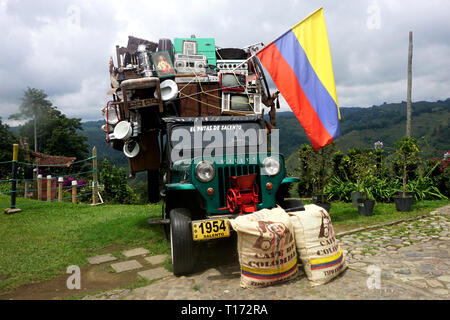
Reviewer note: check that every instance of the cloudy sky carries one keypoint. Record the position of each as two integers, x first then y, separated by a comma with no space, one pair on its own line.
63,47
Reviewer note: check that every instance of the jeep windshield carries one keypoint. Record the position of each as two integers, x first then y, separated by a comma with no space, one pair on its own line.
211,138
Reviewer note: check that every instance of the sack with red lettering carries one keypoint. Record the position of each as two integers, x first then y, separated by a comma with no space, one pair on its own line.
266,247
317,246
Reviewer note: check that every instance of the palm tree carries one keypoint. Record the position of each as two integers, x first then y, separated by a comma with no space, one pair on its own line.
34,103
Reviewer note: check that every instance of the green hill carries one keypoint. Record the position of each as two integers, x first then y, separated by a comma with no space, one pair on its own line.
96,137
362,127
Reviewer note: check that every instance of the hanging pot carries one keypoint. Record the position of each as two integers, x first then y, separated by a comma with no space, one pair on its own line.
123,130
169,90
131,148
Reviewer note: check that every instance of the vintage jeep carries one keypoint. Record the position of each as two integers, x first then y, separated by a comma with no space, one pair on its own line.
208,181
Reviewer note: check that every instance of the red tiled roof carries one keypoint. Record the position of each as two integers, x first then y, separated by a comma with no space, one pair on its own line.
42,159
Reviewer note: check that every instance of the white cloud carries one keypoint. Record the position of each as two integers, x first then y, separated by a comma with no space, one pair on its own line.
63,47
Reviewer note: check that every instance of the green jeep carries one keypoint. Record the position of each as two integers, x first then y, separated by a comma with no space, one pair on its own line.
210,181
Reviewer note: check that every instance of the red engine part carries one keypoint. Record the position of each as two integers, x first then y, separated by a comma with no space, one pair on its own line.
243,195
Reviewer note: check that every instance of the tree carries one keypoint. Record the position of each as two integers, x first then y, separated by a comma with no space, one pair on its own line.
58,135
407,152
6,141
316,167
34,104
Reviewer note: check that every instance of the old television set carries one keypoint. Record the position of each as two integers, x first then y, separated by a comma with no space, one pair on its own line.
241,103
231,81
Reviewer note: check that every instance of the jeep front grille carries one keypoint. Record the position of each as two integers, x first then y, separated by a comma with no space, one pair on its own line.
224,174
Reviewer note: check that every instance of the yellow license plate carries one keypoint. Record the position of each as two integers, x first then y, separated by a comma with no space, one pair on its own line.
210,229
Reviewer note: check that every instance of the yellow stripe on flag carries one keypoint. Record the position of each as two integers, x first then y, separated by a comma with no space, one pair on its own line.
312,35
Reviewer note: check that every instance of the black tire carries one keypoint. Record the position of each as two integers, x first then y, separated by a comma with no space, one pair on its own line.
181,241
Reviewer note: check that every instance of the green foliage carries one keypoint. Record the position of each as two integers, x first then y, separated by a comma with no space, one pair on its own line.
338,189
383,189
407,153
116,189
56,134
424,189
34,105
439,171
364,168
315,167
6,141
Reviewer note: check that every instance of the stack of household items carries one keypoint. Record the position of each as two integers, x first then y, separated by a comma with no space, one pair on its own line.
270,243
186,77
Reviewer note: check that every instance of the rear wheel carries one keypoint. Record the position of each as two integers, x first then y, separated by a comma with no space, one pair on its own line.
181,241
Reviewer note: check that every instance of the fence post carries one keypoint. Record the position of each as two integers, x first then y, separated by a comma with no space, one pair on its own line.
39,186
74,191
25,192
49,188
12,208
94,176
60,183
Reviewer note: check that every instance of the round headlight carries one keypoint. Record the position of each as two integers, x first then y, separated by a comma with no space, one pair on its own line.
204,171
271,166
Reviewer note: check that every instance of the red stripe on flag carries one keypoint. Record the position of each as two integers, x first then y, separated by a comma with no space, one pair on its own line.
289,86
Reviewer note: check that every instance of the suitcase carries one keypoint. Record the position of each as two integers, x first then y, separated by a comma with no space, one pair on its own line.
195,103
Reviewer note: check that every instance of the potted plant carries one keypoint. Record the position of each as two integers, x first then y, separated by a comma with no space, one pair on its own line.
365,168
320,171
406,154
352,165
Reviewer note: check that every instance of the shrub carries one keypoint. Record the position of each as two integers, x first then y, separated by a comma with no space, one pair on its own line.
383,189
424,189
439,172
407,154
116,189
316,167
338,189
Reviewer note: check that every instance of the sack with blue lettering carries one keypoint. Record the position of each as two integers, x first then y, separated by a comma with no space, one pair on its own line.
266,248
317,246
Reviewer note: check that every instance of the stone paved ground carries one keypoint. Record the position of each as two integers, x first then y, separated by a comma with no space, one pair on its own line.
409,260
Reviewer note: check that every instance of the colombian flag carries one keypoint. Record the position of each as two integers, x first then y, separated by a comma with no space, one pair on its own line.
299,63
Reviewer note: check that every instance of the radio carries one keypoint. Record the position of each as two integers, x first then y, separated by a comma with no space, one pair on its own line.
240,66
186,63
190,57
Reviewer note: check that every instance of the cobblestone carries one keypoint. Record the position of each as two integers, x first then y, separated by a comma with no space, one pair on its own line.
412,258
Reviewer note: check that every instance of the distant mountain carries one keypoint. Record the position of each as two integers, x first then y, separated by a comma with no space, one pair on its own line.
96,137
360,127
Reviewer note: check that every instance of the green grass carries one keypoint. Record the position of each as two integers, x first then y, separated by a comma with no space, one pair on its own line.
345,215
42,240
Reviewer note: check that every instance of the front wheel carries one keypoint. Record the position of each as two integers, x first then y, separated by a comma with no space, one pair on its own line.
181,241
